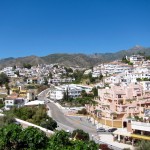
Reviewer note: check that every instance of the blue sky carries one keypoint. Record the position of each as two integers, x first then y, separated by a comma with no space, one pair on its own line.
41,27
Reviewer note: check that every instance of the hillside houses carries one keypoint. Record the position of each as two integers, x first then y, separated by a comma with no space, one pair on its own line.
58,92
9,72
73,91
125,92
124,89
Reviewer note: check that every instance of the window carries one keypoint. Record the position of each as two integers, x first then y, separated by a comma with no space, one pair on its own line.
119,96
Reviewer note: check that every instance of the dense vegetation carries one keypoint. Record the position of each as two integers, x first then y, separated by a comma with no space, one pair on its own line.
77,75
85,98
79,101
26,65
13,137
124,60
36,115
80,135
3,79
82,111
143,79
80,77
143,145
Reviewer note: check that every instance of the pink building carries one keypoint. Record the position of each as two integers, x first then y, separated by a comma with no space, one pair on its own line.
120,102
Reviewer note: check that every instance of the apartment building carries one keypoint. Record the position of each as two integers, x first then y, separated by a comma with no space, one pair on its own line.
57,92
120,102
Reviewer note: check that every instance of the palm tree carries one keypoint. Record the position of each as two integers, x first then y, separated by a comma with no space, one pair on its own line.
144,145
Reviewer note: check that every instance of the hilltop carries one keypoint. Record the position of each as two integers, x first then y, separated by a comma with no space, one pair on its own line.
81,60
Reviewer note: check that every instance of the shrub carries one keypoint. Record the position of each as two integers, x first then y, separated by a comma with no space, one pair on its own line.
82,111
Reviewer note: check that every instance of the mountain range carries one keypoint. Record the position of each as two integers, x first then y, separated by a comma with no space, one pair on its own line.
82,60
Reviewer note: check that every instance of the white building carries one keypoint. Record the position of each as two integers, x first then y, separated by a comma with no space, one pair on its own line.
57,93
146,85
9,72
10,102
136,58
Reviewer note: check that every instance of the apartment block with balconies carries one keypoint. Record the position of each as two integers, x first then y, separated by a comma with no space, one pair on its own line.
121,102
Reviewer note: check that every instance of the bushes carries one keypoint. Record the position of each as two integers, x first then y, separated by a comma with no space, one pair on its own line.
2,105
104,147
143,145
3,79
80,135
15,138
82,111
36,115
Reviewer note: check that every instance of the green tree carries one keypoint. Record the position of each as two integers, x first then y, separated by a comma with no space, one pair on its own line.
45,81
144,145
60,140
37,115
130,63
83,93
124,59
9,137
78,75
91,145
68,70
26,65
7,87
33,139
17,73
138,79
13,137
79,145
100,77
42,88
82,145
95,91
55,66
8,119
49,124
14,67
3,79
92,79
80,135
50,75
82,111
66,95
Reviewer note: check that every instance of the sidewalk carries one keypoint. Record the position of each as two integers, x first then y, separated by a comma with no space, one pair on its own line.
109,140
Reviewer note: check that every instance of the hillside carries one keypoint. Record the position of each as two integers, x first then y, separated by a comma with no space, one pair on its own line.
81,60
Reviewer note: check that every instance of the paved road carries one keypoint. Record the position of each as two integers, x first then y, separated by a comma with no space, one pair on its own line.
67,122
72,122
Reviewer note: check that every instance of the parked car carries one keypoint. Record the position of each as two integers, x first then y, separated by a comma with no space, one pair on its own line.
101,129
112,129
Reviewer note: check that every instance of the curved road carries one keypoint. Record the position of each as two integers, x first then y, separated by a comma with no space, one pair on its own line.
72,122
67,122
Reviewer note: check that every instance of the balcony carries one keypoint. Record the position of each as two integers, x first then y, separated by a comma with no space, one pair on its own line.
140,126
121,110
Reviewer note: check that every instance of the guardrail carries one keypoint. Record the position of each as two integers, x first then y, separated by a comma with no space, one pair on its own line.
22,122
